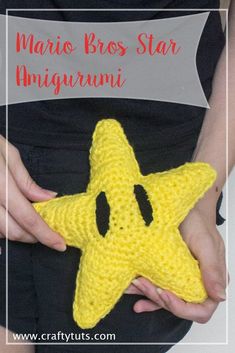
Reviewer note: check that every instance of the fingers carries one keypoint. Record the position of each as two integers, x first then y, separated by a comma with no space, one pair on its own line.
148,289
24,223
24,214
146,305
23,180
142,304
207,246
211,256
200,313
133,290
15,232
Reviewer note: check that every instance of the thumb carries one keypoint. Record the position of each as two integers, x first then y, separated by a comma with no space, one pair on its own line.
213,268
26,184
34,192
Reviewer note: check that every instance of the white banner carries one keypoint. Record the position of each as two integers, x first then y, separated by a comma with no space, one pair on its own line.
153,60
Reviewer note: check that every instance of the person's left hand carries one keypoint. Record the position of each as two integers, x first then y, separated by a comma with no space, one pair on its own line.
207,246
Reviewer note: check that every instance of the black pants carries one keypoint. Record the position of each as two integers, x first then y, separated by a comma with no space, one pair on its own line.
42,281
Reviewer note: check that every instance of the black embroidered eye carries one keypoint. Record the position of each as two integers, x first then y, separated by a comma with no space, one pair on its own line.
102,213
144,204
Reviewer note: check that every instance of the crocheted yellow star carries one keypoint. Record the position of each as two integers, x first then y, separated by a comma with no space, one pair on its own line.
142,238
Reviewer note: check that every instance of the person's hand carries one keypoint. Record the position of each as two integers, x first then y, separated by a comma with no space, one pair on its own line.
205,243
24,223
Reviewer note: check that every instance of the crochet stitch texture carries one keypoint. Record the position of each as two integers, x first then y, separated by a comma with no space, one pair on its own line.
130,247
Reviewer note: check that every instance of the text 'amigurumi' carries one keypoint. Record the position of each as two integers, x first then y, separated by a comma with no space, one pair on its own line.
138,241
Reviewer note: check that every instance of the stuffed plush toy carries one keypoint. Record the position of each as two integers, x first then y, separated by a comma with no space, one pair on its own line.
126,225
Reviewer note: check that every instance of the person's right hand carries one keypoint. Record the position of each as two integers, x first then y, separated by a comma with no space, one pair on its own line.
24,223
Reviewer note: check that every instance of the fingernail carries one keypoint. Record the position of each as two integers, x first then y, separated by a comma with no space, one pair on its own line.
60,246
137,310
50,192
163,295
220,291
138,284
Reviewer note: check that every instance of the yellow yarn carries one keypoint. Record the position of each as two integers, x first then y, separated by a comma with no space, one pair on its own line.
130,248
